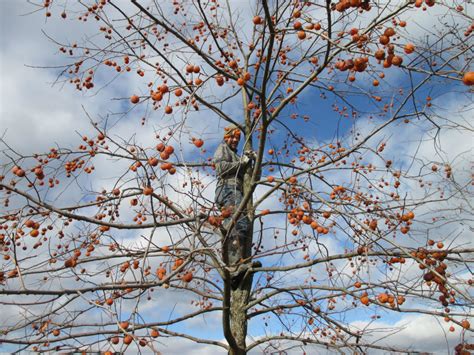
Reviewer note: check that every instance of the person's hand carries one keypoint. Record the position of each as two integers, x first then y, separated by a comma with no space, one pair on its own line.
251,154
245,159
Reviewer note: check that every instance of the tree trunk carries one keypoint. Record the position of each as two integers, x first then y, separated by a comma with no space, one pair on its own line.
239,297
238,316
238,300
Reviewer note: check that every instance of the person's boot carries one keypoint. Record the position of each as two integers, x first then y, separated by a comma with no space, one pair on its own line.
238,273
233,251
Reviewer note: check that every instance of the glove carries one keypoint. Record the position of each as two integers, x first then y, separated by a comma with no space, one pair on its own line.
251,154
245,159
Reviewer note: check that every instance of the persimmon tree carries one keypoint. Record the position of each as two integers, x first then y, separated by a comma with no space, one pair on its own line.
350,222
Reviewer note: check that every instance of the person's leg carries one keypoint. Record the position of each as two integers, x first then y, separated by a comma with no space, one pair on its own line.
241,239
241,231
226,198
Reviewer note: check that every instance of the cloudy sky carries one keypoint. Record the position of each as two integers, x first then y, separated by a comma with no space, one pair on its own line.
38,112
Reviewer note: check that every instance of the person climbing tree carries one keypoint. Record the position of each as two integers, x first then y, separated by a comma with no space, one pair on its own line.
230,169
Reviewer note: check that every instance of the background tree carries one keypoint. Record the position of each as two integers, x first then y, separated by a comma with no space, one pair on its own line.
360,196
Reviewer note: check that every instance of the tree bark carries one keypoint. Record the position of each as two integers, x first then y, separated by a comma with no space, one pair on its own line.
238,316
239,297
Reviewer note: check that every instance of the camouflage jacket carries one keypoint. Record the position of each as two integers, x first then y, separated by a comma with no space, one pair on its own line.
229,166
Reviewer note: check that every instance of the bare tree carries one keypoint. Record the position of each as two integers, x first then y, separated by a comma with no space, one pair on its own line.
346,220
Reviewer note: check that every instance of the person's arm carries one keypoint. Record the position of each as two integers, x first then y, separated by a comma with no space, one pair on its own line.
223,165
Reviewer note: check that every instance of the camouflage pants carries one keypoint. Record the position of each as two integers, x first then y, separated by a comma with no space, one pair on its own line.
234,246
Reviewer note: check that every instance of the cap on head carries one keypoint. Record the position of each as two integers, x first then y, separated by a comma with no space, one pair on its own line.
231,131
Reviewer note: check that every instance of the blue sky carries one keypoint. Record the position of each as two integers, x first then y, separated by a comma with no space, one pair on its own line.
36,115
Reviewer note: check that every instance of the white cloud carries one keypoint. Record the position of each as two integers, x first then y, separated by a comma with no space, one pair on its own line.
37,116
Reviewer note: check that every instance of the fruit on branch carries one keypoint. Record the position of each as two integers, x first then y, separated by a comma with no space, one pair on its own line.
198,142
177,263
161,273
257,20
124,325
70,262
34,233
109,301
389,32
365,299
153,161
127,340
147,190
169,149
166,166
134,99
187,277
156,96
163,88
219,80
379,54
301,35
18,171
384,40
465,324
468,78
409,48
215,221
160,147
397,60
39,173
326,214
383,298
30,224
